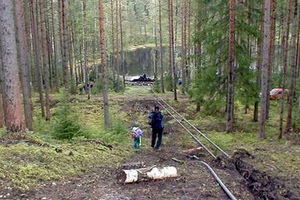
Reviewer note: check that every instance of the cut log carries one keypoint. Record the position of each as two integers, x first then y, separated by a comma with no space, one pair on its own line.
192,151
145,174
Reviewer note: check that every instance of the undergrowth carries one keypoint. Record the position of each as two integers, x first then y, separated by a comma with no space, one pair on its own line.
42,156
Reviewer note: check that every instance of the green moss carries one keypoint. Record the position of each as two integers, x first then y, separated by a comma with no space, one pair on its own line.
23,166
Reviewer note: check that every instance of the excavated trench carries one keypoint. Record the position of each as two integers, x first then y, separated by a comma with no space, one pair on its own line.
260,184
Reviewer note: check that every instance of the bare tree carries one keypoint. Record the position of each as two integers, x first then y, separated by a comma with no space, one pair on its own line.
265,68
10,73
45,59
183,45
54,49
37,56
171,47
84,45
112,60
284,70
122,43
103,65
161,49
294,59
117,62
24,63
63,45
258,68
1,102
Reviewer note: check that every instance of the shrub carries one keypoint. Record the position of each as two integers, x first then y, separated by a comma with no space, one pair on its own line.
65,124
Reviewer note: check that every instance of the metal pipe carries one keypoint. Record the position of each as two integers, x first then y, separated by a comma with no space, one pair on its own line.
229,194
202,134
191,134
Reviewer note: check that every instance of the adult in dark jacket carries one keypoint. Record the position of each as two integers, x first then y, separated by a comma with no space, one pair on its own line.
157,125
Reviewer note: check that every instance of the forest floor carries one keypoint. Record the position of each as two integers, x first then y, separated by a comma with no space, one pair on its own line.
251,172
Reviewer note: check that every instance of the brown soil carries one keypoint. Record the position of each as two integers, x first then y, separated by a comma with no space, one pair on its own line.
194,180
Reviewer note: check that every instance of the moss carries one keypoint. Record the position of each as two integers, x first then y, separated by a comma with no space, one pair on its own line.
23,165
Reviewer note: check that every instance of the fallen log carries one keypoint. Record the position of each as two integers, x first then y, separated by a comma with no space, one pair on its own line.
192,151
145,174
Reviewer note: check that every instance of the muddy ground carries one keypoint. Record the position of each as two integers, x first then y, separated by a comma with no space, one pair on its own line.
194,181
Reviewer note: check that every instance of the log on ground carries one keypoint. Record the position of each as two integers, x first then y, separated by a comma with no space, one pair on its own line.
144,174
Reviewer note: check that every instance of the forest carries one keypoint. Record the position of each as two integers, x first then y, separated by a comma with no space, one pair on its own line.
67,99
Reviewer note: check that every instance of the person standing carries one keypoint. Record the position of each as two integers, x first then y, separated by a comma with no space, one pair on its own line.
157,125
136,133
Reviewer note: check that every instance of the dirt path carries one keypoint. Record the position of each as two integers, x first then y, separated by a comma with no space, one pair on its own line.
194,182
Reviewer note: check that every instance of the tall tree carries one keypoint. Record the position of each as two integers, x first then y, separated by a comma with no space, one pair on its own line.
112,60
161,48
63,42
37,56
45,59
84,45
24,62
122,43
284,66
294,59
258,67
230,102
1,102
171,47
103,65
188,45
117,62
55,69
265,68
10,74
183,45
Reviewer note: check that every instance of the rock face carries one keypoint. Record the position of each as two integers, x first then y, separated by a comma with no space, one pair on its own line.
142,60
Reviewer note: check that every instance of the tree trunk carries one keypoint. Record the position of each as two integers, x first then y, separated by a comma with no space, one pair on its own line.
145,174
45,59
161,50
284,70
117,63
10,74
265,68
54,50
70,49
84,44
183,46
271,50
171,43
1,91
37,56
1,111
24,63
230,102
103,65
122,44
112,60
294,68
63,47
188,46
